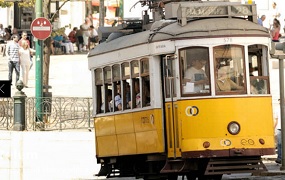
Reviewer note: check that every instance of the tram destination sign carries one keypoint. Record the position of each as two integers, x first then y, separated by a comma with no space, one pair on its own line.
237,10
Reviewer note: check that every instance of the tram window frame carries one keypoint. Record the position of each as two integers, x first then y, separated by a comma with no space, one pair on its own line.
107,89
169,72
187,57
224,63
99,89
258,69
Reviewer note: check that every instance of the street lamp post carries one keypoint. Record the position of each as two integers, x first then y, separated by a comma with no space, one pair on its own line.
281,57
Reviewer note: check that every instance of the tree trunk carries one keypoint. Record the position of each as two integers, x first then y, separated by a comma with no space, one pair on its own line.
101,13
46,50
89,8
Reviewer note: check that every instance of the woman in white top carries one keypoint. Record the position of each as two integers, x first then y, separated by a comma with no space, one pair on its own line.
25,53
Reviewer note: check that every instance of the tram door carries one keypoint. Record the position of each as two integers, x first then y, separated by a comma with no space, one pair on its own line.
171,108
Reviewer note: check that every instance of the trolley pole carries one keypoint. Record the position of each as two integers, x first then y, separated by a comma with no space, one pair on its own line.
39,66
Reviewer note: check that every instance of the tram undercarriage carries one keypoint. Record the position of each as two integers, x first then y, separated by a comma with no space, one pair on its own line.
159,167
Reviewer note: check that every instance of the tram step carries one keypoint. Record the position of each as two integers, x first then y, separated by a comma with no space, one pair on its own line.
228,166
172,166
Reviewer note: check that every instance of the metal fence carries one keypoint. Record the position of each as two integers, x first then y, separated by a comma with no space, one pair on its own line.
58,113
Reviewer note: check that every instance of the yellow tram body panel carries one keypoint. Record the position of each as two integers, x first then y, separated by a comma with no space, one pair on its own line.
211,117
138,132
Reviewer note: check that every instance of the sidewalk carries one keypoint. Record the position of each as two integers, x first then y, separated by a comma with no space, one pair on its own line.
69,76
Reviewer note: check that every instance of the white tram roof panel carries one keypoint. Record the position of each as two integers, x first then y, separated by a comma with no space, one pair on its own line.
201,28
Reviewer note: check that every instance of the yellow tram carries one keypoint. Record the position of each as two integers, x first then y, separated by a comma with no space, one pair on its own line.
188,95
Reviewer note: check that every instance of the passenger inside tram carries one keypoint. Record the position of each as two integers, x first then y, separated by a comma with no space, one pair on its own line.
137,92
128,95
118,100
224,82
109,100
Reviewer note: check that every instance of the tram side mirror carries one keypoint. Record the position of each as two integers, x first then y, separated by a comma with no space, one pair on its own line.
277,46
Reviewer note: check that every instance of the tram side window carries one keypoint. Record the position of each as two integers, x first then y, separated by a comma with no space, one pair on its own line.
230,69
136,97
258,69
117,87
135,86
145,100
107,105
195,70
126,86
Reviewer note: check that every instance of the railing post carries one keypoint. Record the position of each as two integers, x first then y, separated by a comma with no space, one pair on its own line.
19,108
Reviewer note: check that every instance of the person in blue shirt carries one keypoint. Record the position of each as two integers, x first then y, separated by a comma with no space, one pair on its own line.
261,19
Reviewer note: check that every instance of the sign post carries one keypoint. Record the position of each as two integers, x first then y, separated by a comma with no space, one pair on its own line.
41,29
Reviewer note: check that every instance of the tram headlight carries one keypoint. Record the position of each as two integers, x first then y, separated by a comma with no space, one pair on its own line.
234,128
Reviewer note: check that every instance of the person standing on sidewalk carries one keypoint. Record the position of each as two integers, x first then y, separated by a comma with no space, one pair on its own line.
13,57
277,126
25,53
86,33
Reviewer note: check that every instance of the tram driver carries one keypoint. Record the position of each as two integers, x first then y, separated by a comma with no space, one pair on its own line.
196,75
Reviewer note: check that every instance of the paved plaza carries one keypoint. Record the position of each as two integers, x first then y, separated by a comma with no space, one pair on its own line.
69,76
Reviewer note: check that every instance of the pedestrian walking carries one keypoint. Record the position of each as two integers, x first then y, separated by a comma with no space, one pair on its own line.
25,38
85,33
13,58
275,14
25,54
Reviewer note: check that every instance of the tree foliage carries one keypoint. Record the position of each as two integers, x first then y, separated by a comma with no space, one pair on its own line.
21,3
5,4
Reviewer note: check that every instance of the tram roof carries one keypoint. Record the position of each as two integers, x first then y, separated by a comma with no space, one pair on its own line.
202,28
